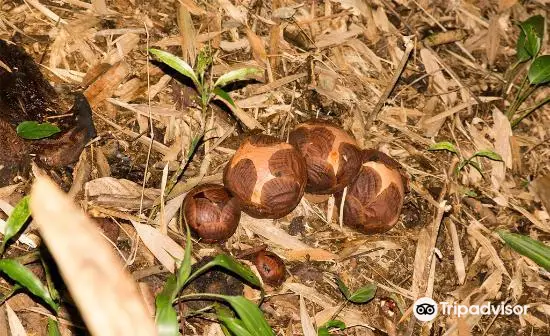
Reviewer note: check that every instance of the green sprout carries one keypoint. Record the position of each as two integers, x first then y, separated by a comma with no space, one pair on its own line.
208,91
528,48
362,295
450,147
243,319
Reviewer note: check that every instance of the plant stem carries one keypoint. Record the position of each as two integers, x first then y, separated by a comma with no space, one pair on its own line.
339,310
529,111
201,296
515,105
183,166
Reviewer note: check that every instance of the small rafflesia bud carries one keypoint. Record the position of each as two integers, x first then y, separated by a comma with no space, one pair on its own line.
268,176
332,156
374,199
211,212
271,268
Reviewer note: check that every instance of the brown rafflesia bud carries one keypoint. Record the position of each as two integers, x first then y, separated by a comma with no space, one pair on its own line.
211,212
271,268
332,156
268,176
375,198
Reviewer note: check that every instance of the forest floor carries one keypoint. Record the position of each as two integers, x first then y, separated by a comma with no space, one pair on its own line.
400,76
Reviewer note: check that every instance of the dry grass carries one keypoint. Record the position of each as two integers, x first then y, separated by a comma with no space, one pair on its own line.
368,66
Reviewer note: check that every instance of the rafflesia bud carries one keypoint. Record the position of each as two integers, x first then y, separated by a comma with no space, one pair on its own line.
211,212
374,199
332,156
268,176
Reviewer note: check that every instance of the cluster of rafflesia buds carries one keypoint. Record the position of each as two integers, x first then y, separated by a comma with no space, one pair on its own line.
267,177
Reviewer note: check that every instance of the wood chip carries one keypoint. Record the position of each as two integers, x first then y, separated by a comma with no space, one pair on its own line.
104,292
106,84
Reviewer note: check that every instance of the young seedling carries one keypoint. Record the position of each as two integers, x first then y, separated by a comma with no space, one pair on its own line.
360,296
528,48
208,89
244,319
21,275
450,147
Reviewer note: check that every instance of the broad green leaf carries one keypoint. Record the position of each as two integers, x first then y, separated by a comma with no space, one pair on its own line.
324,330
363,294
343,288
177,64
224,97
236,75
539,71
444,145
335,324
532,44
489,155
233,325
32,130
229,263
17,219
166,316
531,248
530,37
250,315
27,279
53,328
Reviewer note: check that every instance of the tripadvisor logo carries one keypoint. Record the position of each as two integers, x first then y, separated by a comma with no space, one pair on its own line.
425,309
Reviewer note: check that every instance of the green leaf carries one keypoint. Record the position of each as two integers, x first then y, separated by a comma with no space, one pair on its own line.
234,325
177,64
324,330
343,288
185,268
236,75
53,328
32,130
219,93
532,44
531,248
363,294
250,315
166,316
444,145
488,154
231,264
539,71
27,279
530,37
17,219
